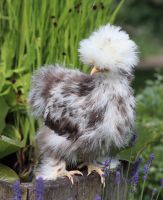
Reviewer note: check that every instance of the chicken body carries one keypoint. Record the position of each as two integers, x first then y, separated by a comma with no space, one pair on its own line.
84,116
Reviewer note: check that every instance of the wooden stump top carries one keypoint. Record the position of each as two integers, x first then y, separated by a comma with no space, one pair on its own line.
84,188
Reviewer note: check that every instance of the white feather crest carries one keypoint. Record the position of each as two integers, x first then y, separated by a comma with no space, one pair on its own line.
109,47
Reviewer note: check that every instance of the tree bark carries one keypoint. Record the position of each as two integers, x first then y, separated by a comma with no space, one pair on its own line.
84,188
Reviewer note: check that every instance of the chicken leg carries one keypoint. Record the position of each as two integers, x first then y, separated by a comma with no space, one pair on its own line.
92,167
52,169
69,174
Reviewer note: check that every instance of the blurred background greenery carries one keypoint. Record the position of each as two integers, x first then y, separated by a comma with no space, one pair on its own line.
143,19
38,32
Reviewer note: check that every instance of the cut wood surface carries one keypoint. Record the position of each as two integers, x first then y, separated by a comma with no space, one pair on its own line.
84,188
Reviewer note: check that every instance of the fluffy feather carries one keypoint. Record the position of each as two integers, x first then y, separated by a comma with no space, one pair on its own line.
109,48
86,110
86,116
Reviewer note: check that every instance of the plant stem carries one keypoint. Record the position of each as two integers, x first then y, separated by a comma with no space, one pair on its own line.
118,192
112,19
128,168
152,196
141,197
158,194
131,197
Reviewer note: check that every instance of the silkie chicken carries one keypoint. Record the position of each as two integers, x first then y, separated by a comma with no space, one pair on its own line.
85,116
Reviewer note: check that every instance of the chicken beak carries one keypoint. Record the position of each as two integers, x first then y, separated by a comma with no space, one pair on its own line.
94,70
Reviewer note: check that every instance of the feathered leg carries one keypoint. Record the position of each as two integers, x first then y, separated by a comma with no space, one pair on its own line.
51,169
50,166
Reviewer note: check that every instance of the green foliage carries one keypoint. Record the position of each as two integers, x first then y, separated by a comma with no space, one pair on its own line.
7,174
150,100
8,146
150,115
37,33
150,109
144,20
150,129
144,12
4,109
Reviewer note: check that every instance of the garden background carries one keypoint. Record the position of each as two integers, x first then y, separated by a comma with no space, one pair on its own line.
37,32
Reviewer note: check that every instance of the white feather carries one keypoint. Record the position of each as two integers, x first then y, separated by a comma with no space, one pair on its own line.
109,47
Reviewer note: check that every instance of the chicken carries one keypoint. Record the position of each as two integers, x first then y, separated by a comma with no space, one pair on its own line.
85,116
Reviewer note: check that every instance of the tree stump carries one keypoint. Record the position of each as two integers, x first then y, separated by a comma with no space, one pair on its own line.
84,188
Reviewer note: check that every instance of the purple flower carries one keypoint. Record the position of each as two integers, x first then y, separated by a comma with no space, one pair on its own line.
133,139
161,183
106,167
147,166
16,189
39,189
135,180
118,177
107,163
154,191
106,172
135,167
151,158
97,197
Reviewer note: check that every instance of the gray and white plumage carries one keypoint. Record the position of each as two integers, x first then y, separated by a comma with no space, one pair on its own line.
85,116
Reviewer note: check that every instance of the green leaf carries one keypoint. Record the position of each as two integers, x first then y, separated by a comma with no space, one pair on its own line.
8,50
113,17
10,98
8,146
3,112
12,132
7,174
2,80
